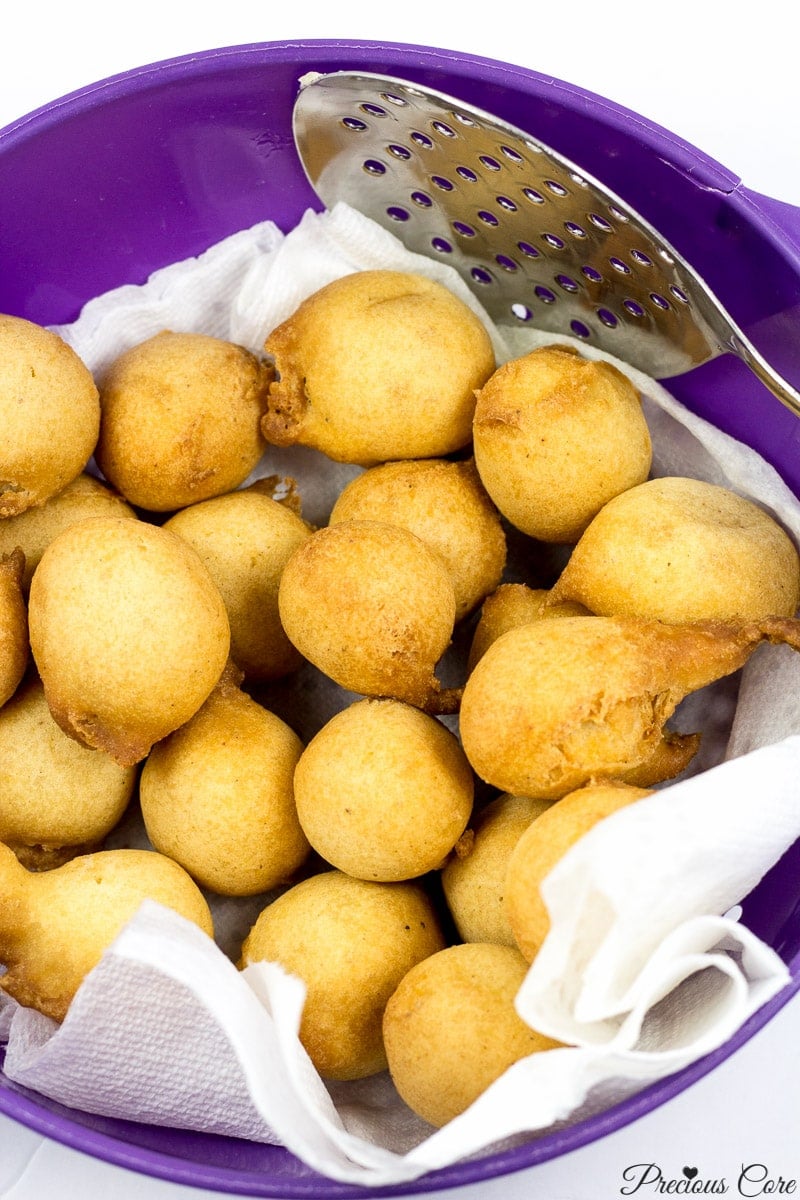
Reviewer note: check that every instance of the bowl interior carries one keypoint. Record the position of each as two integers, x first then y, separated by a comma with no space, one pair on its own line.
133,173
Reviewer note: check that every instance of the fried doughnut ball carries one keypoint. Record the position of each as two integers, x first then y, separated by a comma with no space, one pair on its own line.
49,414
446,505
217,796
556,436
543,844
57,799
55,925
181,417
555,704
351,942
128,632
514,604
372,607
474,877
375,366
245,540
34,529
14,649
451,1028
676,549
383,791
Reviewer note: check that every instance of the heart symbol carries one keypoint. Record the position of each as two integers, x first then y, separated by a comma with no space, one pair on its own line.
690,1172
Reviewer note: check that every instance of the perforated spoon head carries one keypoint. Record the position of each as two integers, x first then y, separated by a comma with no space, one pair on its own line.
538,240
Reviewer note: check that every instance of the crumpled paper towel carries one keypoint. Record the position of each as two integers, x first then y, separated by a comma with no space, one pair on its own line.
640,973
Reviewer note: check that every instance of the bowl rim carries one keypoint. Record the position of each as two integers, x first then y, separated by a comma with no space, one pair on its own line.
712,172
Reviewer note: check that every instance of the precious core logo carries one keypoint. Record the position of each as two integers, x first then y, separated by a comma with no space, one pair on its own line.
753,1179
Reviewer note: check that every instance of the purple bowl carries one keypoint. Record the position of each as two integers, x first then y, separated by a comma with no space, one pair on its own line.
129,174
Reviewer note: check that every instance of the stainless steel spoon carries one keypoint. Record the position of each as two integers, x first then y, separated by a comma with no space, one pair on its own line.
536,238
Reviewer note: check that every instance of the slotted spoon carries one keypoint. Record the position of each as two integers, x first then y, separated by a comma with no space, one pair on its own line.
536,238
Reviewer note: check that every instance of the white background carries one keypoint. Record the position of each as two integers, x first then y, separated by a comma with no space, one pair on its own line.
724,77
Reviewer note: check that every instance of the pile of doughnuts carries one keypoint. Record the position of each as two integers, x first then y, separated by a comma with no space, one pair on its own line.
157,608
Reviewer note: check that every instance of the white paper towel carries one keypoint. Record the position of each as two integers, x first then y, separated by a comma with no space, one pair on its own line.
640,972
